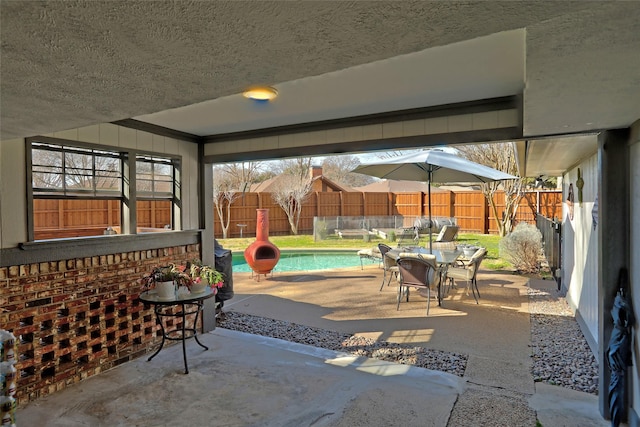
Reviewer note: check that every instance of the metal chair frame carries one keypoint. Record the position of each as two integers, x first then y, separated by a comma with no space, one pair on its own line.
473,265
389,265
417,272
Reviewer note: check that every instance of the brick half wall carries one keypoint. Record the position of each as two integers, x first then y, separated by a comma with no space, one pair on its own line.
76,318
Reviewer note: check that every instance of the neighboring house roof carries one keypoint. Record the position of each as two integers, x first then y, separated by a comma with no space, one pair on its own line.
266,186
396,186
320,183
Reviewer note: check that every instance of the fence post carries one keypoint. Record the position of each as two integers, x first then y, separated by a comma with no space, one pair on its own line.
452,204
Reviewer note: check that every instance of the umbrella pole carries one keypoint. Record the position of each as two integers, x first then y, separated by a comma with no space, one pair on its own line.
429,203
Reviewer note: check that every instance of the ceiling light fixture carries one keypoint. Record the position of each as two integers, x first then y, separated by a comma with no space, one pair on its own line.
260,93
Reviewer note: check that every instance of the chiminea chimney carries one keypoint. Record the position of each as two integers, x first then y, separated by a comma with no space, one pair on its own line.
262,255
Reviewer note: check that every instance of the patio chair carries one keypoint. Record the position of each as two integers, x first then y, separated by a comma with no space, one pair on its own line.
417,272
448,233
372,254
389,265
446,237
468,272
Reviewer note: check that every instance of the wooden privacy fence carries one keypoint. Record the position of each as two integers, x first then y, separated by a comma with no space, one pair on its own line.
76,218
57,218
469,208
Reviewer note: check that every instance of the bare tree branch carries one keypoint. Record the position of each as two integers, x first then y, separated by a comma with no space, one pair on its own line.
224,194
290,194
338,169
298,167
241,175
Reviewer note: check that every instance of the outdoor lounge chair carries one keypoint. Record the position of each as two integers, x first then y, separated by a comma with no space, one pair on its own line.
446,237
389,265
417,272
448,233
468,272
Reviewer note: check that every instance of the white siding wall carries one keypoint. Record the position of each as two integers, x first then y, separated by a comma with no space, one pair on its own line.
580,246
13,201
431,126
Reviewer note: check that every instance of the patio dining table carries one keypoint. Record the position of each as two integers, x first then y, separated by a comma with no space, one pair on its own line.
444,258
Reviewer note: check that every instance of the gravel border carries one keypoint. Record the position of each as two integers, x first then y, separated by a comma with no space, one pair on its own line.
561,355
452,363
560,352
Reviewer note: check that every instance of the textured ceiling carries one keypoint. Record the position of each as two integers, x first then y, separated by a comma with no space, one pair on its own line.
482,68
75,63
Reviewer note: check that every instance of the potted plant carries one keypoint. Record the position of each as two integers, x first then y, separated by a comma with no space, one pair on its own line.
202,275
165,279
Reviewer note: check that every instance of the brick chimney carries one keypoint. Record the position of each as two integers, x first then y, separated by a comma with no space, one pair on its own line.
316,170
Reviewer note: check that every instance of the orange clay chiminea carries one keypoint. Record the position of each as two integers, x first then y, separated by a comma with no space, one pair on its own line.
262,255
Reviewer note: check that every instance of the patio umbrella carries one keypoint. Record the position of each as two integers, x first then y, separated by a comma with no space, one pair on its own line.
432,166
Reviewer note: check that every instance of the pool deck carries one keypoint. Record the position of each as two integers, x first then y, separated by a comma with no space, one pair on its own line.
248,380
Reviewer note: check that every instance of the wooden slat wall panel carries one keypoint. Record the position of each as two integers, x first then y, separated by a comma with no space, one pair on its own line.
375,204
74,218
309,210
551,204
353,204
470,211
442,204
45,214
329,204
409,204
154,213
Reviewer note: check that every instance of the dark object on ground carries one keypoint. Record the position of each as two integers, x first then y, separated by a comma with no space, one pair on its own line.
619,350
223,264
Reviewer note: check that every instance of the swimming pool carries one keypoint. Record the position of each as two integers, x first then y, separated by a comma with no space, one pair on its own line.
304,261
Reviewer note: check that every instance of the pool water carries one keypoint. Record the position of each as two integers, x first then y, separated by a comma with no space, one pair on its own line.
303,261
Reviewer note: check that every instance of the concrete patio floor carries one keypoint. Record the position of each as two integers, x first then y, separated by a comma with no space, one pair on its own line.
248,380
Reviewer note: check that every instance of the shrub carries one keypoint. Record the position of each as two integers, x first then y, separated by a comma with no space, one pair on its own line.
523,247
391,237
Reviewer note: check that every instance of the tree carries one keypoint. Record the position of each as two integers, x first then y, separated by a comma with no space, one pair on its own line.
338,169
224,194
230,180
291,192
499,156
239,176
298,167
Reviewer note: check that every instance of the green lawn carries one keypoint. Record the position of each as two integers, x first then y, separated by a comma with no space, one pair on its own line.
489,241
